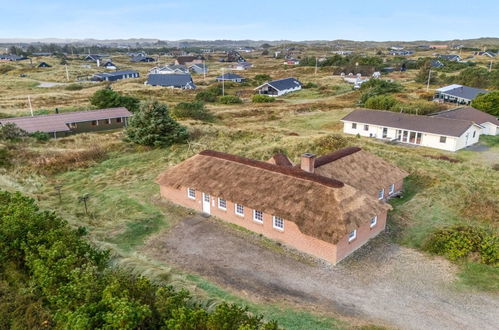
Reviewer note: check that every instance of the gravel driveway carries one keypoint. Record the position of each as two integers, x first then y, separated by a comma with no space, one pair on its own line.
382,283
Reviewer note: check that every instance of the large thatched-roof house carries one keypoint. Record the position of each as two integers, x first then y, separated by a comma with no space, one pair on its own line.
305,207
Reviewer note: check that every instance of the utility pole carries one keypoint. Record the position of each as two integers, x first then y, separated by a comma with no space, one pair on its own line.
204,70
67,73
490,66
316,60
428,83
30,107
223,82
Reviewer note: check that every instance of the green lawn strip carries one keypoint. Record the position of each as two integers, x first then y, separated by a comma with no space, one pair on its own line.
479,276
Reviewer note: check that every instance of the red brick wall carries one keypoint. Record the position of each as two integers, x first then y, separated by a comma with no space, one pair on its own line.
290,236
398,187
364,233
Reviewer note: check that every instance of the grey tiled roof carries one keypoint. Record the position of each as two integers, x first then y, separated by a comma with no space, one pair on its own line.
175,80
464,92
286,83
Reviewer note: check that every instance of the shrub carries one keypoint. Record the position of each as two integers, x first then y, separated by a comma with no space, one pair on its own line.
229,99
460,242
261,78
381,102
419,107
210,94
374,87
4,157
11,132
310,85
152,125
6,68
487,102
193,110
73,87
107,98
262,98
40,136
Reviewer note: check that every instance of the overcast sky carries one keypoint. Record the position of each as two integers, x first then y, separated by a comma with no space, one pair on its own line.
258,20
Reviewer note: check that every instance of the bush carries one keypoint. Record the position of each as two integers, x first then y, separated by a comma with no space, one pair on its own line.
381,102
40,136
262,98
210,94
73,87
261,78
461,242
4,157
6,68
193,110
51,277
11,132
107,98
374,87
310,85
229,99
152,125
487,102
419,107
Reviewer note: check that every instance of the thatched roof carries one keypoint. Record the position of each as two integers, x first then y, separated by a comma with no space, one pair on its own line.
359,169
321,207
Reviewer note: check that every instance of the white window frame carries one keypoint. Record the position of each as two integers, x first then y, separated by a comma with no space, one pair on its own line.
274,220
189,190
255,218
354,125
235,210
220,206
382,191
352,235
392,188
366,128
373,223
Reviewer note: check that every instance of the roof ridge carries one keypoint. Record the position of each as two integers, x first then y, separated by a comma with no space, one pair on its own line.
336,155
290,171
414,115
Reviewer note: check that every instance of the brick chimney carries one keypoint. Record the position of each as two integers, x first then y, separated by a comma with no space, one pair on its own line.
308,162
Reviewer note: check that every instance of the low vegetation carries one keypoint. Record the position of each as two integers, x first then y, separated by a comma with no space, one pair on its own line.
50,276
262,98
488,103
191,110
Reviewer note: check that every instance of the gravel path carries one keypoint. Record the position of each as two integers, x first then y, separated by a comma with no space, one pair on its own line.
383,283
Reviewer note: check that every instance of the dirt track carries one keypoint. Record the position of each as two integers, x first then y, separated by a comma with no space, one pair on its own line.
384,283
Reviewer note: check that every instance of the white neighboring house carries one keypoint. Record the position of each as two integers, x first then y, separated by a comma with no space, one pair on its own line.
279,87
457,94
433,132
489,123
169,69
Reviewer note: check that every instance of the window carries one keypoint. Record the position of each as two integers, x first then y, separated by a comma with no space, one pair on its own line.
443,139
385,132
258,216
352,235
222,204
374,221
474,133
191,193
354,125
95,123
366,127
381,194
239,209
108,121
392,188
119,120
278,223
73,125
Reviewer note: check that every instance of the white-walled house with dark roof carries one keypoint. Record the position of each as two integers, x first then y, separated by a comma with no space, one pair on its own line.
457,94
279,87
433,132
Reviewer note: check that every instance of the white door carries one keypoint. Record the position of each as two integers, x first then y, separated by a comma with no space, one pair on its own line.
206,203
